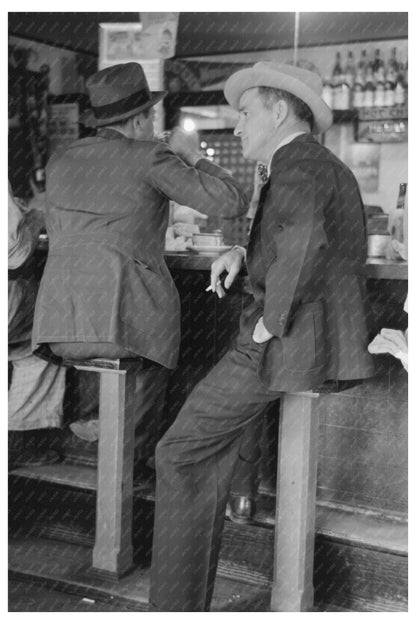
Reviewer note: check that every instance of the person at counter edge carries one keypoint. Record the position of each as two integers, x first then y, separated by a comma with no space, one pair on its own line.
106,290
305,324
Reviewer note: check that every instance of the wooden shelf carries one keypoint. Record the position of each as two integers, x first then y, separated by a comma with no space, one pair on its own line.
345,116
380,268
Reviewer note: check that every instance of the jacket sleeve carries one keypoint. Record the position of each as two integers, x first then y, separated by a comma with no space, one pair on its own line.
205,187
298,240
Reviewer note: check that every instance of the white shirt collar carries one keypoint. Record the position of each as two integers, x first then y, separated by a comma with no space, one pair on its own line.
285,141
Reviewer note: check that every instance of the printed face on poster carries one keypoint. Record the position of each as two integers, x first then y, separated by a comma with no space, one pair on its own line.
153,38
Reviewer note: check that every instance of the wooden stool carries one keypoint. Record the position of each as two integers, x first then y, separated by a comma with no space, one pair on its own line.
113,549
297,458
297,467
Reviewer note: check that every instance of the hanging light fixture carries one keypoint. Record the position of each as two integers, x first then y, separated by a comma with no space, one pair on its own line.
296,38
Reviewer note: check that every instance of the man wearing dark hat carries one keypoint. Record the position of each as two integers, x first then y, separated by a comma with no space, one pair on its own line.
304,325
106,290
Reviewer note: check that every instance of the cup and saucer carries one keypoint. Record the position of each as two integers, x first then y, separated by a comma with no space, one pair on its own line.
209,243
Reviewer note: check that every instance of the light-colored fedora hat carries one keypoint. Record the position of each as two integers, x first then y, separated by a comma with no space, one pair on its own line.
118,92
305,84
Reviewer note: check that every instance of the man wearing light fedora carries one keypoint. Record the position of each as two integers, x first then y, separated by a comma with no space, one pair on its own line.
106,290
305,324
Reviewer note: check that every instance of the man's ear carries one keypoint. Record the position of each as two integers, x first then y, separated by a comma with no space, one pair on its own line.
280,112
137,121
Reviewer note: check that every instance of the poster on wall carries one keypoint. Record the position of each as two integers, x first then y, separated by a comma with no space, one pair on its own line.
120,43
63,121
160,30
63,125
364,162
152,38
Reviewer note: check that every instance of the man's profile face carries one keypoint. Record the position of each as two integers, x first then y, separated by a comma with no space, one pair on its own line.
255,126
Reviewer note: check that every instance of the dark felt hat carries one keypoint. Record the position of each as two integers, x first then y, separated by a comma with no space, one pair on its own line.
118,92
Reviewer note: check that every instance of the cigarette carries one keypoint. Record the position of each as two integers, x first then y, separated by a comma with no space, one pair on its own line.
210,287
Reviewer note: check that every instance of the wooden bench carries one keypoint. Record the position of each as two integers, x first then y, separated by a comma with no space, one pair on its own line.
113,550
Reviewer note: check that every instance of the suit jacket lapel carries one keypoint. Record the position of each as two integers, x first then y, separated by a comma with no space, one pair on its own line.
255,230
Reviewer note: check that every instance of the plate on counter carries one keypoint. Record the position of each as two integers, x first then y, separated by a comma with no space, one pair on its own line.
209,250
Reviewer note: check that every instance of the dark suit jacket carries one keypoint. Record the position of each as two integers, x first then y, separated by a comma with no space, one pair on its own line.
105,279
306,247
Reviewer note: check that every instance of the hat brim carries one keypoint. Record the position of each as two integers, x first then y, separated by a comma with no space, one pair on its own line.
87,118
254,77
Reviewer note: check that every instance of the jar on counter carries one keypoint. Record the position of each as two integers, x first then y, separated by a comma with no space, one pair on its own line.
397,246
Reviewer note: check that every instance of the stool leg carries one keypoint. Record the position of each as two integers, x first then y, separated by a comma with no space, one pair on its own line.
113,550
295,505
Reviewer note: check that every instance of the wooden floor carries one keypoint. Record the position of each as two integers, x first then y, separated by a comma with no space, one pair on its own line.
65,569
360,559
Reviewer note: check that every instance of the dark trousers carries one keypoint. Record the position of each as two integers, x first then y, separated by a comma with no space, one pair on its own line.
195,461
246,472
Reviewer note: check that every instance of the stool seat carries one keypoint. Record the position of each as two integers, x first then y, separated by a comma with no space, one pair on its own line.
107,364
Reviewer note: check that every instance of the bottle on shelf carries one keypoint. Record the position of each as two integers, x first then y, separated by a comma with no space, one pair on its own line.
400,88
340,89
370,87
344,95
405,82
359,81
380,91
350,70
390,86
362,64
393,67
327,94
378,66
358,91
337,70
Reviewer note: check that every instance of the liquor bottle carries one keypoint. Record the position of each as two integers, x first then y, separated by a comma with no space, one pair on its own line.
337,70
358,91
338,78
370,87
393,67
390,85
362,64
350,70
402,196
400,88
379,94
343,94
378,66
359,82
327,94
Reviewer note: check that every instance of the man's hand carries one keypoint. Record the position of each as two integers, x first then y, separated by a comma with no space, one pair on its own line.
185,145
260,333
230,262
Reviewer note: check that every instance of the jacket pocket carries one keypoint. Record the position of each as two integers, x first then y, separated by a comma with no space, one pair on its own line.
303,347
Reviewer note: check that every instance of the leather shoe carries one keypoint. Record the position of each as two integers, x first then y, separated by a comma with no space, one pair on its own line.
242,509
